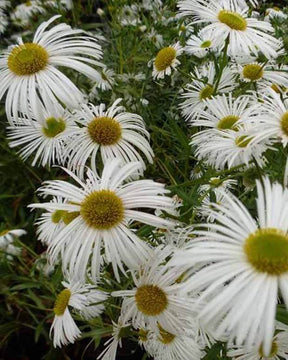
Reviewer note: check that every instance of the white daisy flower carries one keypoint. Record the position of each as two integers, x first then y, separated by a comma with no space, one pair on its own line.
242,264
83,298
224,112
229,21
106,82
156,296
111,345
199,45
7,238
265,75
155,38
221,148
3,23
23,13
44,135
28,66
274,118
152,5
199,90
163,345
166,61
105,207
112,132
129,77
129,15
279,348
275,12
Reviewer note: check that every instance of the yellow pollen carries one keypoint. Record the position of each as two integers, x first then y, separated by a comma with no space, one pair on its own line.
273,351
253,72
105,130
143,334
232,19
68,217
61,302
206,44
206,92
242,141
4,232
267,251
165,336
228,122
28,3
57,216
284,123
165,58
53,127
151,300
276,88
102,209
27,59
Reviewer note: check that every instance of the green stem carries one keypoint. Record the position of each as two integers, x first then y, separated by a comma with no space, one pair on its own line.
222,65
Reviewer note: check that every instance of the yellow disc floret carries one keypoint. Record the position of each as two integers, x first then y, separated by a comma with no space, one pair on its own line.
242,141
57,216
206,44
68,217
165,336
284,123
267,251
273,351
165,58
151,300
61,302
253,72
54,127
105,130
27,59
232,19
206,92
102,209
227,122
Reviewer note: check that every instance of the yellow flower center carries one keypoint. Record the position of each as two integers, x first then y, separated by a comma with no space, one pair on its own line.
267,251
253,72
206,92
284,123
102,209
165,336
151,300
105,130
206,44
68,217
227,122
273,351
232,19
61,302
242,141
4,232
276,88
28,3
53,127
57,216
27,59
165,58
143,335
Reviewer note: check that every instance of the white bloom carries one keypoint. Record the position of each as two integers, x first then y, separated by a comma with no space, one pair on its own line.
152,5
219,148
129,15
3,22
7,237
112,132
163,345
279,348
106,81
265,75
127,77
28,66
199,45
105,208
166,60
243,263
230,22
199,90
274,118
275,12
44,135
156,296
155,38
224,112
111,345
23,13
83,298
